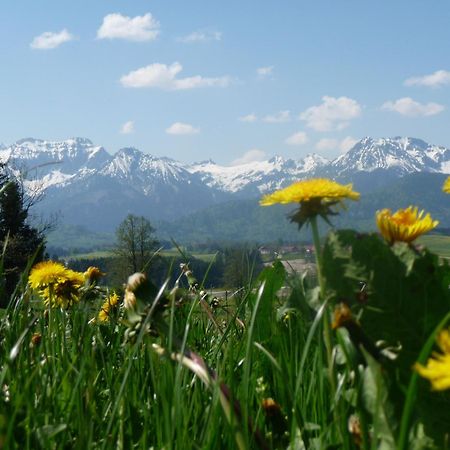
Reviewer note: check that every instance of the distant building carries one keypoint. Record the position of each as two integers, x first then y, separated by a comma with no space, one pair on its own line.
265,250
289,249
309,249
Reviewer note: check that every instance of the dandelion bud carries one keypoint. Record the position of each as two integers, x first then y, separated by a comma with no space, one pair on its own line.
354,427
93,275
269,405
342,316
129,300
274,416
35,339
141,287
135,281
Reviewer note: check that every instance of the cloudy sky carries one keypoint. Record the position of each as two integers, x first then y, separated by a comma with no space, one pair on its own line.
234,81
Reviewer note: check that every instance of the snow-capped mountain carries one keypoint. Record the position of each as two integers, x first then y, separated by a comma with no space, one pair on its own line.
145,172
91,187
259,176
400,155
44,157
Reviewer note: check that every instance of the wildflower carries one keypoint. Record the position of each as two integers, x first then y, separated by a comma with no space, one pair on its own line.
404,225
354,427
135,281
446,186
129,299
138,287
274,416
110,303
57,285
45,274
437,369
93,274
315,196
35,339
342,316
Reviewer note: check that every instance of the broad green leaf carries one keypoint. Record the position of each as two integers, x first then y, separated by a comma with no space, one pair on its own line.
400,294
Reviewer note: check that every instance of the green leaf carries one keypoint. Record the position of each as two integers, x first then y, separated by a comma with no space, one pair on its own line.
400,294
376,398
274,278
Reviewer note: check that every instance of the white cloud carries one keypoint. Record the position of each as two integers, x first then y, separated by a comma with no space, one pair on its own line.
332,114
201,36
127,127
436,79
180,128
249,157
408,107
163,76
265,71
347,143
281,116
249,118
327,144
299,138
49,40
139,28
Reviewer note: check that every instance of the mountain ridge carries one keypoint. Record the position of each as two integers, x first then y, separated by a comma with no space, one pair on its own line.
87,185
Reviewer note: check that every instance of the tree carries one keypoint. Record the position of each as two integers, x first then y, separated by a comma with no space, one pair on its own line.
136,242
19,240
241,265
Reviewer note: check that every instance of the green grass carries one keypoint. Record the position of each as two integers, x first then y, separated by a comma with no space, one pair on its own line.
90,255
133,382
86,385
207,257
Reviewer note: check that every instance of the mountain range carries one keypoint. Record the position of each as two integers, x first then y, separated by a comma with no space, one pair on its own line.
85,185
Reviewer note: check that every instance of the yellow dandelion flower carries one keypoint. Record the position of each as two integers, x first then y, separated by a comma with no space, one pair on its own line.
46,273
110,303
57,285
446,186
405,225
93,274
315,197
65,292
437,369
307,190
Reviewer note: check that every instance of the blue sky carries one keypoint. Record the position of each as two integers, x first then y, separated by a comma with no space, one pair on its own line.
232,81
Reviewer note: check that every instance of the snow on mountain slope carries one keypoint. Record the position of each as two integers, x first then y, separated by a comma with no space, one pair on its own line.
145,171
87,184
262,176
44,157
401,155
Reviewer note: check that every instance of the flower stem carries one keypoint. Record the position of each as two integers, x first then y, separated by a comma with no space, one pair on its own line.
326,316
318,254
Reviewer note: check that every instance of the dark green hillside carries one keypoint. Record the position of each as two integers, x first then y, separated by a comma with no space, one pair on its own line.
245,220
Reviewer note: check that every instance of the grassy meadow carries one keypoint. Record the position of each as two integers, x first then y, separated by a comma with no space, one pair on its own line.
352,356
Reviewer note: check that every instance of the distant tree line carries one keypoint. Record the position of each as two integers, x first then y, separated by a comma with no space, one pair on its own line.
136,250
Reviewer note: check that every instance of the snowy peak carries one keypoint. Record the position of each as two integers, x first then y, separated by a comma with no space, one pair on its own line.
313,161
46,156
399,154
60,164
107,187
257,176
129,162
